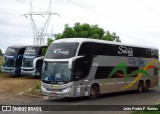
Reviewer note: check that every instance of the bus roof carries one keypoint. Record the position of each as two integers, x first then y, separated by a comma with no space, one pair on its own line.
81,40
17,46
37,46
24,46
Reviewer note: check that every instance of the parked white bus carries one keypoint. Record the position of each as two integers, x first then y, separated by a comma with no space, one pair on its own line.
33,59
12,60
75,67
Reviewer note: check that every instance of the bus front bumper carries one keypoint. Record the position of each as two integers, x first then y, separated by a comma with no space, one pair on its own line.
30,71
8,70
60,93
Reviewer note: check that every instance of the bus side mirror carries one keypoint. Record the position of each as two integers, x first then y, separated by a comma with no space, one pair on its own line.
70,63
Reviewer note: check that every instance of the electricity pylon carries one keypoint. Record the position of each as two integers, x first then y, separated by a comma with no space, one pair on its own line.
39,33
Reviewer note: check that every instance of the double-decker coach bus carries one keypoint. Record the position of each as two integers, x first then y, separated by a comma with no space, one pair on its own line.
33,60
12,60
77,67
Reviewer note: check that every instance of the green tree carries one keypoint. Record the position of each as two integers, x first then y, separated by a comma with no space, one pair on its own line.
0,51
49,41
85,31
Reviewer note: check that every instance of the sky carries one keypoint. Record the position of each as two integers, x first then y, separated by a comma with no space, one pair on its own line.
134,21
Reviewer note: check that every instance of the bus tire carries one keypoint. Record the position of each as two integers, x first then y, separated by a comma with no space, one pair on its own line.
94,92
140,87
147,85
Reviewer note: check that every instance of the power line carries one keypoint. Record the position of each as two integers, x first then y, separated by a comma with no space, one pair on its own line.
43,9
22,2
40,32
9,9
109,18
8,13
112,19
29,4
117,32
91,10
148,7
12,36
41,12
87,8
151,34
19,16
135,38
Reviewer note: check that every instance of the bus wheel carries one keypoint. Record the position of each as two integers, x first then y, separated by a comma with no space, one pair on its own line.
147,86
140,87
94,92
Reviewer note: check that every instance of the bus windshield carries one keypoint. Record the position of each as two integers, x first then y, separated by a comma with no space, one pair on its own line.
27,62
62,50
8,62
56,72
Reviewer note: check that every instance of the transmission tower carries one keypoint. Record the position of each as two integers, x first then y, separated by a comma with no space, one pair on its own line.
39,33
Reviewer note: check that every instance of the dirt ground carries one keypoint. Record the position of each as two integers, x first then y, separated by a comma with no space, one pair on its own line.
14,90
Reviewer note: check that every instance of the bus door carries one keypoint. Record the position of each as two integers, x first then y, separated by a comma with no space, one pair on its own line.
82,65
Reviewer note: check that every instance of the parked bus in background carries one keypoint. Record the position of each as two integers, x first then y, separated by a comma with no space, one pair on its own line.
77,67
12,60
33,60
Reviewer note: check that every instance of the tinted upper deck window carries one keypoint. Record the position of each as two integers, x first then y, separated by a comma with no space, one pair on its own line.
86,49
32,51
12,51
62,50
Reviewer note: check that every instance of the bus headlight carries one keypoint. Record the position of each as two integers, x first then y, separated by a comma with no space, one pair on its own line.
66,89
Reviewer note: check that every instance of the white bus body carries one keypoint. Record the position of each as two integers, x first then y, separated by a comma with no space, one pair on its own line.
33,60
75,67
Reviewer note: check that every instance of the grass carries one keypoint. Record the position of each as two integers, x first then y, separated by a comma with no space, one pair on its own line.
36,90
1,60
146,112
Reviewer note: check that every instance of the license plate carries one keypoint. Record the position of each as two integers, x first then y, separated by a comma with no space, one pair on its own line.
53,94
